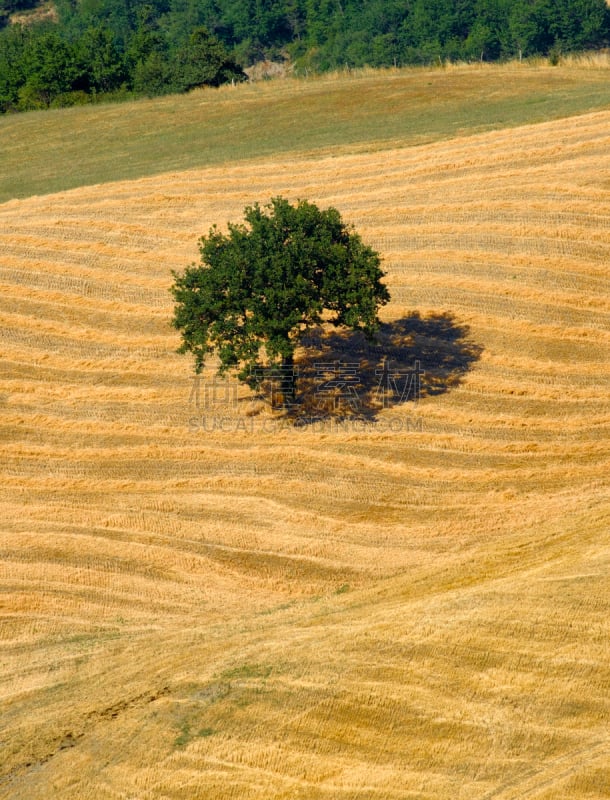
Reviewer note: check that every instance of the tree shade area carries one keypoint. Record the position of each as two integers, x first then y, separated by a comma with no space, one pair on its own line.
98,47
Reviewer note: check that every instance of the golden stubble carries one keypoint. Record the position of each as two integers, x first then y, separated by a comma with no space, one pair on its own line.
201,601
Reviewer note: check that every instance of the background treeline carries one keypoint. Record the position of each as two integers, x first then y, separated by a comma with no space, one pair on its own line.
76,61
97,48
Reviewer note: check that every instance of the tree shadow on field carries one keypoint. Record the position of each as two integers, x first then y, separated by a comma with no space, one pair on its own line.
341,375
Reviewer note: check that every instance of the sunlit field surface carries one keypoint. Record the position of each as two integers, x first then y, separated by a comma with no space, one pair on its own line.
202,600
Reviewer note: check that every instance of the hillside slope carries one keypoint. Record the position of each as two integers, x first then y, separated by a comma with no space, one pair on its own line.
51,151
199,602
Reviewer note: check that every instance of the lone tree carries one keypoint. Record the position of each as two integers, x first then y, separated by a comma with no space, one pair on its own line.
262,285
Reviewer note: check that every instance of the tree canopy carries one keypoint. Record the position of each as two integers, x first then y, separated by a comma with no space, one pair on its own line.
260,286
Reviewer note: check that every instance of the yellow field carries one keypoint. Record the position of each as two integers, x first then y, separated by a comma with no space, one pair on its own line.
199,602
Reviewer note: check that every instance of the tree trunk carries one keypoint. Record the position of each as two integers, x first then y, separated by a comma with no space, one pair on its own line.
288,381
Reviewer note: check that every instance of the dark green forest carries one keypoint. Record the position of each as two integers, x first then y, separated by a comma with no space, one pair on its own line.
96,49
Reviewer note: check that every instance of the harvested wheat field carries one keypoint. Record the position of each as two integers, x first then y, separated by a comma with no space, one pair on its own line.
202,600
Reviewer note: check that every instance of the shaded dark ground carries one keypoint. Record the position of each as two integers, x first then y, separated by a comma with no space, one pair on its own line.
339,374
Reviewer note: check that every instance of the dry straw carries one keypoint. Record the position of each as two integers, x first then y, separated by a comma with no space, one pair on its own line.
244,609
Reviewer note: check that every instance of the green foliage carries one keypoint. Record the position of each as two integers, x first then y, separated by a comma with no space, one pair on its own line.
204,61
50,70
102,66
12,73
152,75
261,286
